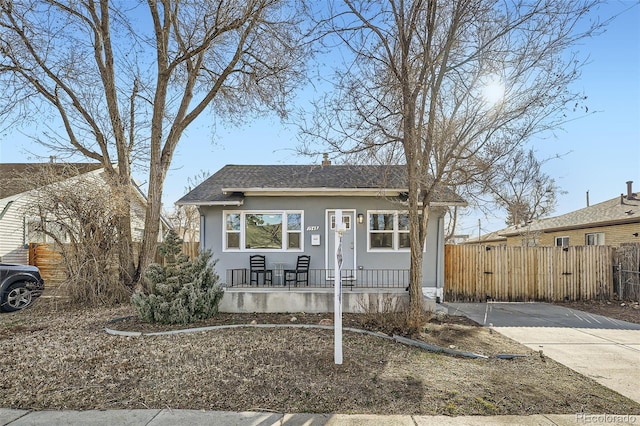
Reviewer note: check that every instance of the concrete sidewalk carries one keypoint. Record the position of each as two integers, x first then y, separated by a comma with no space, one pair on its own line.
222,418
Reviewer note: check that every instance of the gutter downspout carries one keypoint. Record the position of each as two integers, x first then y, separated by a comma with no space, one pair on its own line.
202,233
6,208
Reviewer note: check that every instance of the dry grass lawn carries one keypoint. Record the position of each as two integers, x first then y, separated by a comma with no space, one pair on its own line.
61,358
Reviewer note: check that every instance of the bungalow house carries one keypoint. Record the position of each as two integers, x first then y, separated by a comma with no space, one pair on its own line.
283,212
18,191
613,222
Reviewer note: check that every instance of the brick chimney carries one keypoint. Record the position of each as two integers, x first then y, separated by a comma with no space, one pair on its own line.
325,159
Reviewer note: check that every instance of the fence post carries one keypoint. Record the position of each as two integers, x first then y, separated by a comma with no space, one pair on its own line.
620,285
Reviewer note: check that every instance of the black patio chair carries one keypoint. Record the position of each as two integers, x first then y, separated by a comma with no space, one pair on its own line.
257,268
300,275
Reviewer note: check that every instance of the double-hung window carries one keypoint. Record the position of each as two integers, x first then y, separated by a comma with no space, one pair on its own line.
594,239
388,231
263,230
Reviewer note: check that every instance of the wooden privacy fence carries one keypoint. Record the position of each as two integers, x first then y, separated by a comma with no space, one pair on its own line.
191,249
479,273
627,277
50,262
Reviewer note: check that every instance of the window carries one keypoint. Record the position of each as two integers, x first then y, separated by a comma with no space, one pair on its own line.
33,231
232,231
294,230
594,239
562,241
263,231
37,231
252,230
346,221
389,231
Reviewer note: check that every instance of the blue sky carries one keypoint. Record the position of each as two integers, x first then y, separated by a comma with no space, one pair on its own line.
602,150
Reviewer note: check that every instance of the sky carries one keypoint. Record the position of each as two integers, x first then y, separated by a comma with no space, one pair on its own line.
598,152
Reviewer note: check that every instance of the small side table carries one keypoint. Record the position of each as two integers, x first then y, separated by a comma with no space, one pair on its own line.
278,273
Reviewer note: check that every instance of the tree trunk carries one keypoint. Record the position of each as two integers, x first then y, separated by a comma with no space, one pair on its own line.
152,220
120,184
416,235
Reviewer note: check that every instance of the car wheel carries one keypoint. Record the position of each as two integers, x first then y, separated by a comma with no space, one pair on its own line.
17,297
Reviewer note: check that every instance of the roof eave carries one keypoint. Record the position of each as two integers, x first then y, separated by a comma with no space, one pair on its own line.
301,192
448,204
210,203
573,227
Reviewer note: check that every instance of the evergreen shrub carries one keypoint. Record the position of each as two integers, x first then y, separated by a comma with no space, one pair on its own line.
182,291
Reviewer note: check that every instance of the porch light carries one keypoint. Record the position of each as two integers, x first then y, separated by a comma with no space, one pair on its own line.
360,218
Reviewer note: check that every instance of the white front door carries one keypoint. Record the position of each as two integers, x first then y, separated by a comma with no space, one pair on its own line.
348,244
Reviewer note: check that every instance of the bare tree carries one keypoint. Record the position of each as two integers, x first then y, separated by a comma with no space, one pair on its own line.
516,185
458,85
522,189
186,219
75,211
124,79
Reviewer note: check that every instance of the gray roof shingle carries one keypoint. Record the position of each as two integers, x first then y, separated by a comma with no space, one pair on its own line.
615,211
14,177
284,177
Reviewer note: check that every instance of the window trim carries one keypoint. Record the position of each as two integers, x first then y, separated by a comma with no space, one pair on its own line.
42,237
242,232
396,232
588,234
555,241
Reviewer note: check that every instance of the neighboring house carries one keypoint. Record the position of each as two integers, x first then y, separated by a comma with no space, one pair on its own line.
612,222
493,238
18,193
284,211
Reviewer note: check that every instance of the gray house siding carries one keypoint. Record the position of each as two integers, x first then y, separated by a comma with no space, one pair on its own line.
18,210
12,234
314,221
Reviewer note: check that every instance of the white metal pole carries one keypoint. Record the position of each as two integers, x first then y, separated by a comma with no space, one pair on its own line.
337,305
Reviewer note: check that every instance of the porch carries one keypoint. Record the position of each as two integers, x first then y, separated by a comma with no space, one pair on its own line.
362,291
352,279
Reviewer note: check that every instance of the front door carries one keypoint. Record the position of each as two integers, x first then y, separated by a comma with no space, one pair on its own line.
348,245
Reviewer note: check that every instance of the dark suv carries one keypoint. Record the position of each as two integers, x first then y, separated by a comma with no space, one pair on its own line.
20,286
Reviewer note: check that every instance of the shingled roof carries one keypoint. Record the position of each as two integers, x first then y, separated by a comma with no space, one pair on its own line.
618,210
14,177
232,181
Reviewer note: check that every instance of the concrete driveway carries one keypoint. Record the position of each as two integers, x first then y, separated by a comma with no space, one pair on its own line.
604,349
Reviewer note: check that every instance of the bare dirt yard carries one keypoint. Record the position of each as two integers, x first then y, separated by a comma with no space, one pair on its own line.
57,357
623,310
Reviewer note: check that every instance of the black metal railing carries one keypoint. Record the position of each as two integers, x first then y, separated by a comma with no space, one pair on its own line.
320,278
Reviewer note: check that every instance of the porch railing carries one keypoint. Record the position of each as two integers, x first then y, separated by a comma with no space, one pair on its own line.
324,278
